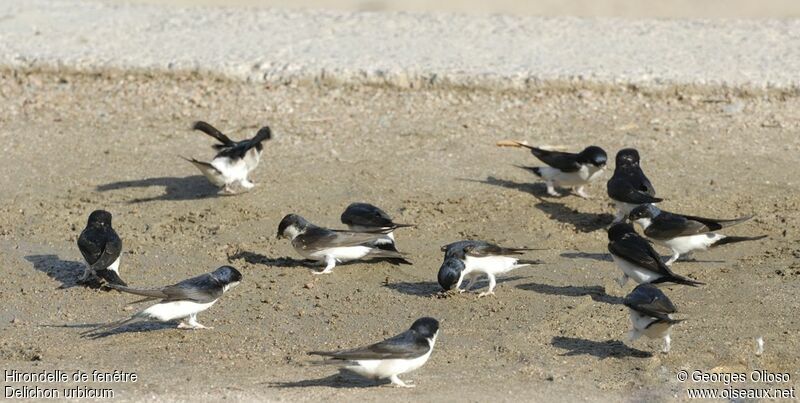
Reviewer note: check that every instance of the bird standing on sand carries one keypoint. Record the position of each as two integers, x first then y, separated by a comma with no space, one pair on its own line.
684,233
183,300
651,314
566,169
470,259
101,247
234,160
638,260
629,187
331,246
398,355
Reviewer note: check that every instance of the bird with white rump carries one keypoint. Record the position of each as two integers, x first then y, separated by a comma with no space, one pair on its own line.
651,314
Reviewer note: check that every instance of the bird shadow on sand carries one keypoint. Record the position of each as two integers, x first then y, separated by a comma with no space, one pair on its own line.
600,257
66,272
193,187
597,293
343,379
257,258
431,288
140,327
599,349
583,222
538,189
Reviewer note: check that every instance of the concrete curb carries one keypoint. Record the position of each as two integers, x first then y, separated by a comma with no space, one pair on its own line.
401,49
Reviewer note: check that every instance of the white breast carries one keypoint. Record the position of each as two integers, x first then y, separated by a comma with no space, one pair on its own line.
642,324
167,311
341,254
381,369
637,273
489,264
232,170
686,244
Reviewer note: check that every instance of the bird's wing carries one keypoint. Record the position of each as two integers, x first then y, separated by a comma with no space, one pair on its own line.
111,251
213,132
668,226
201,289
404,345
566,162
636,250
89,247
650,301
238,150
715,224
484,249
366,215
318,238
212,174
620,188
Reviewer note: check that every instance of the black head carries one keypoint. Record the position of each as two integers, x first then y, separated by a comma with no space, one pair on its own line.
425,327
644,211
227,275
618,230
594,155
365,214
100,217
449,272
627,157
291,220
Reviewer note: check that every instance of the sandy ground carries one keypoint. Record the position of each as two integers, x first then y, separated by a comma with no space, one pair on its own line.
75,143
550,8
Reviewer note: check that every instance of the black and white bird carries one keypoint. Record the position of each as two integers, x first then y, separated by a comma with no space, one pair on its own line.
684,233
101,248
471,259
183,300
651,314
638,260
331,246
235,160
568,169
398,355
365,217
629,187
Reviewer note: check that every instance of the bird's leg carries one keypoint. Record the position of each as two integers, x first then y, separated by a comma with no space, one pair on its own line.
471,282
667,344
227,190
619,217
192,323
247,184
633,335
581,192
551,190
87,272
398,383
458,284
330,263
492,283
622,280
675,256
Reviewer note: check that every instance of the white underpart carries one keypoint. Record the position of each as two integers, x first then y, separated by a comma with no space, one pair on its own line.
340,254
115,266
385,240
87,270
683,244
489,265
167,311
623,210
641,325
251,159
632,271
587,173
234,171
391,368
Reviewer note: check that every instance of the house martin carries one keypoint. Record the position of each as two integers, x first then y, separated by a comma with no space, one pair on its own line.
568,169
101,248
629,187
651,314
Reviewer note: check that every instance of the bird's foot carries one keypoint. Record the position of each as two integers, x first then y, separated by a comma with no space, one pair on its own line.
552,192
485,294
582,193
247,184
326,271
396,382
193,326
227,190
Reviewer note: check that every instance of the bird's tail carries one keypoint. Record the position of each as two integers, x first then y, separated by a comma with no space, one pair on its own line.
390,254
110,327
528,262
212,131
735,239
112,277
678,279
265,133
535,170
